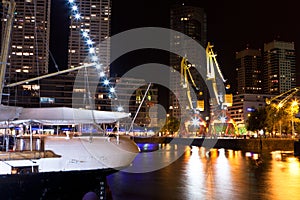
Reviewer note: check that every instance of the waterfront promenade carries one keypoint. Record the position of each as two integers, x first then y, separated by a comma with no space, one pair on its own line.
253,144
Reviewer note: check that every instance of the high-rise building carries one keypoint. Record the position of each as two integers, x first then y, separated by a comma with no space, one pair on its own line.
29,46
279,67
190,19
30,39
249,71
95,20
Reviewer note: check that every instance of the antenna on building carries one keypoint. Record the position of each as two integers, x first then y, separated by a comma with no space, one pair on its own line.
55,64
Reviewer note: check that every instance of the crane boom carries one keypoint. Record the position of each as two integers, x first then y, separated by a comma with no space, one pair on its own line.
211,60
185,72
212,66
287,96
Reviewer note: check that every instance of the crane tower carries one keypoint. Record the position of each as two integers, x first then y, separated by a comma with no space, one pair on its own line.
220,120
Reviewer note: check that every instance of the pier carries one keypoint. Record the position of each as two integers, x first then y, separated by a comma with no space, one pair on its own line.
254,145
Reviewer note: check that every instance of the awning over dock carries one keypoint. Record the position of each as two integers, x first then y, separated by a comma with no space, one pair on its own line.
9,112
66,116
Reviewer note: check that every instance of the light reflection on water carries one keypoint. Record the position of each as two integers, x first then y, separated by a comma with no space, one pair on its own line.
211,174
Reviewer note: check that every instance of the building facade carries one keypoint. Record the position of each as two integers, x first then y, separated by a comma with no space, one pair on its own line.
189,19
29,39
130,97
249,71
95,21
279,67
29,46
244,104
262,75
71,90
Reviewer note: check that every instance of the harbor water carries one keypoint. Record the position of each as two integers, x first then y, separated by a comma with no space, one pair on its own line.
160,172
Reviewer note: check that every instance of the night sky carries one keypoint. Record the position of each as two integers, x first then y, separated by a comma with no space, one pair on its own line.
232,26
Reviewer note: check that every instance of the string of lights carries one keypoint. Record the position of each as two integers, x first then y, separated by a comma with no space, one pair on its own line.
85,34
74,7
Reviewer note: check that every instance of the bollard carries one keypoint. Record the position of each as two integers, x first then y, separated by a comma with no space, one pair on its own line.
118,139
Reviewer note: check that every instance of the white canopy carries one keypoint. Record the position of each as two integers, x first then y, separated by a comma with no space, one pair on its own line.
65,116
9,112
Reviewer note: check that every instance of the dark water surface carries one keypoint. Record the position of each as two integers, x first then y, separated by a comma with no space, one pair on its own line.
52,186
202,174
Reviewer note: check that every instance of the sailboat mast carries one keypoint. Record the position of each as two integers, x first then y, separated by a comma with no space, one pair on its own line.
137,112
6,41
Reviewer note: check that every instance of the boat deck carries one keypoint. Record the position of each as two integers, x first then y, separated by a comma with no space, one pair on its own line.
21,155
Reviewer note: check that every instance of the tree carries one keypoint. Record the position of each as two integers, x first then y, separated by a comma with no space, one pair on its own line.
281,119
272,117
171,125
257,120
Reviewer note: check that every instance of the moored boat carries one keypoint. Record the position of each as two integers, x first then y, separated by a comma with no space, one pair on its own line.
44,161
51,153
59,154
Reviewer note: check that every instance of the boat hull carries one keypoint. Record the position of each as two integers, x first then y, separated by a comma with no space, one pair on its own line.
85,153
65,154
63,167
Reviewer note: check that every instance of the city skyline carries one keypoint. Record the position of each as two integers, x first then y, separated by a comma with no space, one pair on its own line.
232,26
125,17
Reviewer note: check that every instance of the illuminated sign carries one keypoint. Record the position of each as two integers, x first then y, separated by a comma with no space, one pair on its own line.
250,109
47,100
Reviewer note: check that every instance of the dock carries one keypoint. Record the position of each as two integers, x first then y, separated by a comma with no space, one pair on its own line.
253,144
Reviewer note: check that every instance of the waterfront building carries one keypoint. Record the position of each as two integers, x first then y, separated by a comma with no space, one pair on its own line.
279,67
249,71
129,97
189,19
244,104
262,75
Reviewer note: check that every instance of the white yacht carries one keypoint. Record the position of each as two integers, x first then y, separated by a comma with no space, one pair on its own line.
47,153
52,153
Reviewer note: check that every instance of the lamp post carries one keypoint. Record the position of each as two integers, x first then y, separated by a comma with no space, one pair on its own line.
294,110
167,121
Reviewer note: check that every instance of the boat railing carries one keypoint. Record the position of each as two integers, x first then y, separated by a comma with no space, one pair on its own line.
21,143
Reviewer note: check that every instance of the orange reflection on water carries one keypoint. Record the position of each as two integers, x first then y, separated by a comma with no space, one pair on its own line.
208,169
284,177
194,173
230,174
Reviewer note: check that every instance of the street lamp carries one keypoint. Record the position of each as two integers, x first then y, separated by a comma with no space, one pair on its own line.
167,121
